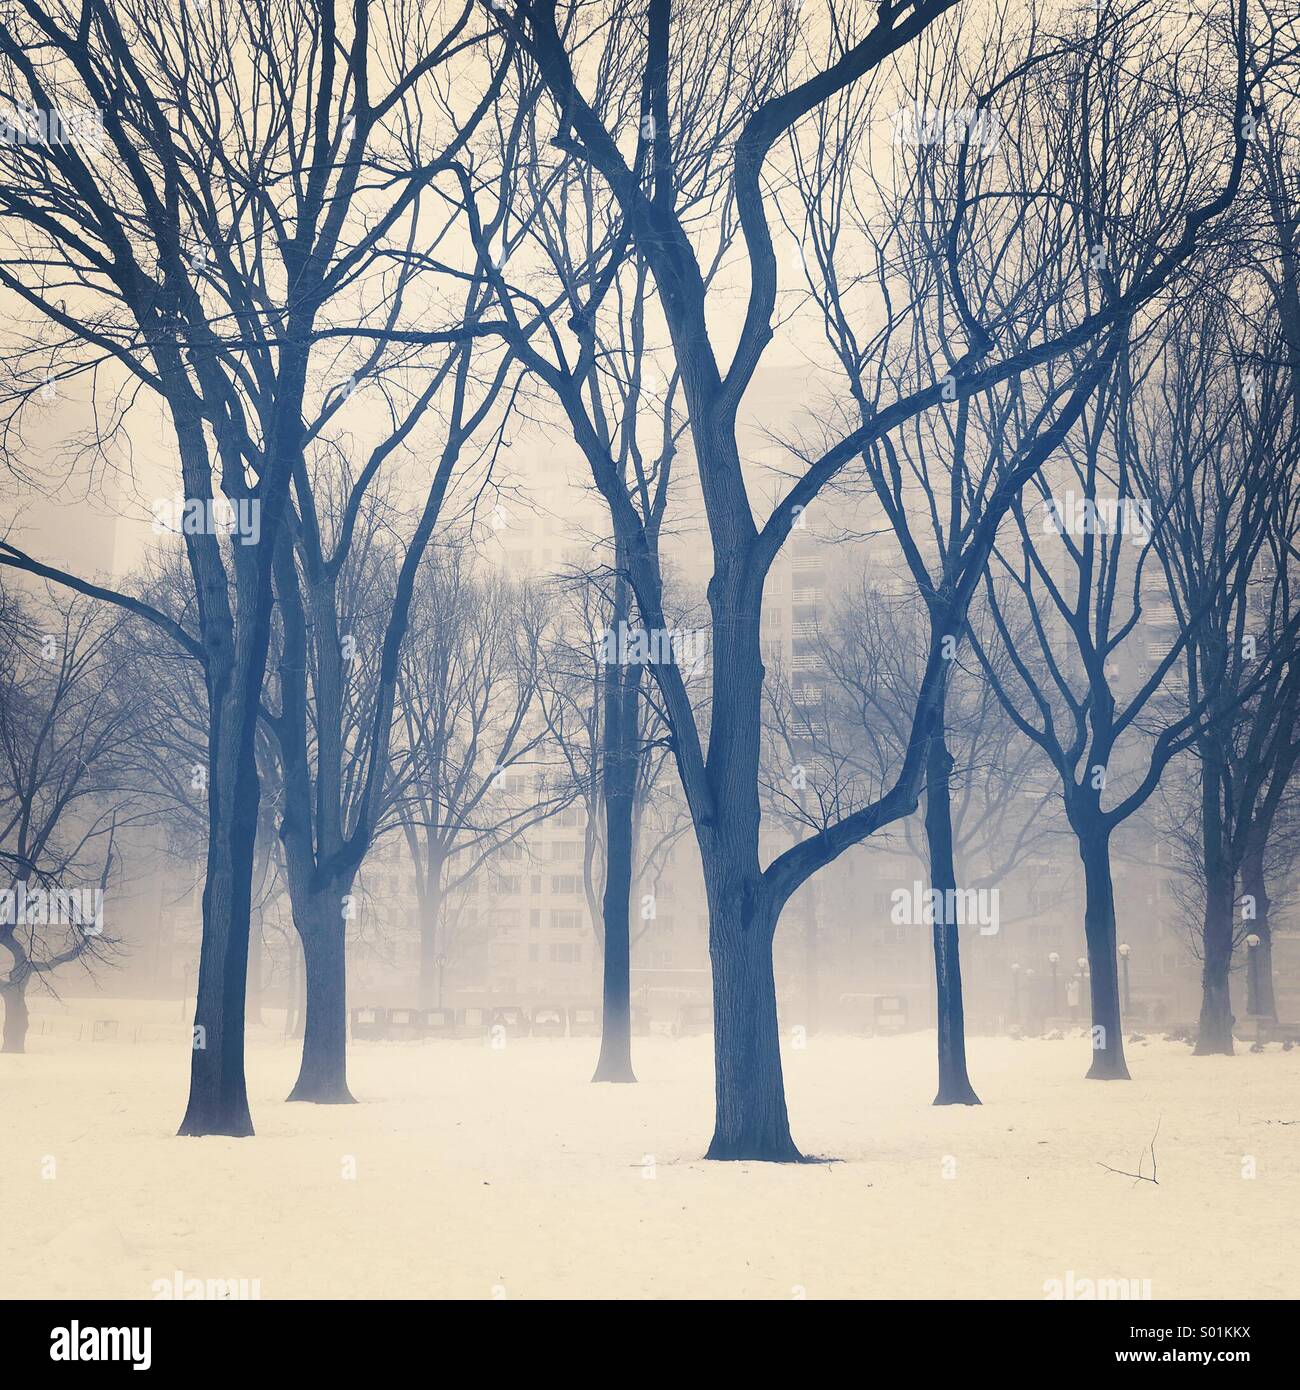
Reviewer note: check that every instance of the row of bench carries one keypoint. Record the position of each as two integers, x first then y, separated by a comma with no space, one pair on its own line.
373,1024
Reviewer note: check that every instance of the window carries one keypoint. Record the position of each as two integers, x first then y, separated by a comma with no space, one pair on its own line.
566,953
569,851
534,918
565,885
565,919
507,884
570,816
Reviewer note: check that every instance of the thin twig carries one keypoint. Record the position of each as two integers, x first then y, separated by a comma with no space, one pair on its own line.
1140,1176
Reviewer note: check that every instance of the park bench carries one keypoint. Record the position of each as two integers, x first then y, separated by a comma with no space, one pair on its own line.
548,1021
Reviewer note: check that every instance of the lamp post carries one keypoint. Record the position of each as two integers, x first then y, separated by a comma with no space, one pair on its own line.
1015,992
1053,960
441,963
1123,955
1252,974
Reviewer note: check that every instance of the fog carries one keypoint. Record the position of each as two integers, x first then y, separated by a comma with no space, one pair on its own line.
646,652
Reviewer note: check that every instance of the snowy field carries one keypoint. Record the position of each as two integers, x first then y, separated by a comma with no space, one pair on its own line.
482,1174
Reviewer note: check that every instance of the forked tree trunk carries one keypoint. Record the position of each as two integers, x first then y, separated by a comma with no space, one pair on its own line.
14,996
1214,1032
237,653
1254,885
1108,1062
954,1082
750,1119
621,757
323,1073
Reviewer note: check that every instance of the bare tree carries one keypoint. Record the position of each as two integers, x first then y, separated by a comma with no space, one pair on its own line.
64,716
476,770
265,168
165,748
613,739
345,604
661,70
1220,442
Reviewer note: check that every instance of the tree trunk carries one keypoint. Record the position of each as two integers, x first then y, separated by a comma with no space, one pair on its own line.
430,911
615,1060
1254,885
14,995
1214,1033
323,1074
1099,929
954,1083
750,1116
218,1099
255,973
297,1020
811,970
621,755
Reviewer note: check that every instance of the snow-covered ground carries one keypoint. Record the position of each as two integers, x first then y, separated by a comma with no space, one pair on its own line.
474,1173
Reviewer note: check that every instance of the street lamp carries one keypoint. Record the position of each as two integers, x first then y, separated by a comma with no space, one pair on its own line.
1053,959
1124,949
441,963
1252,974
